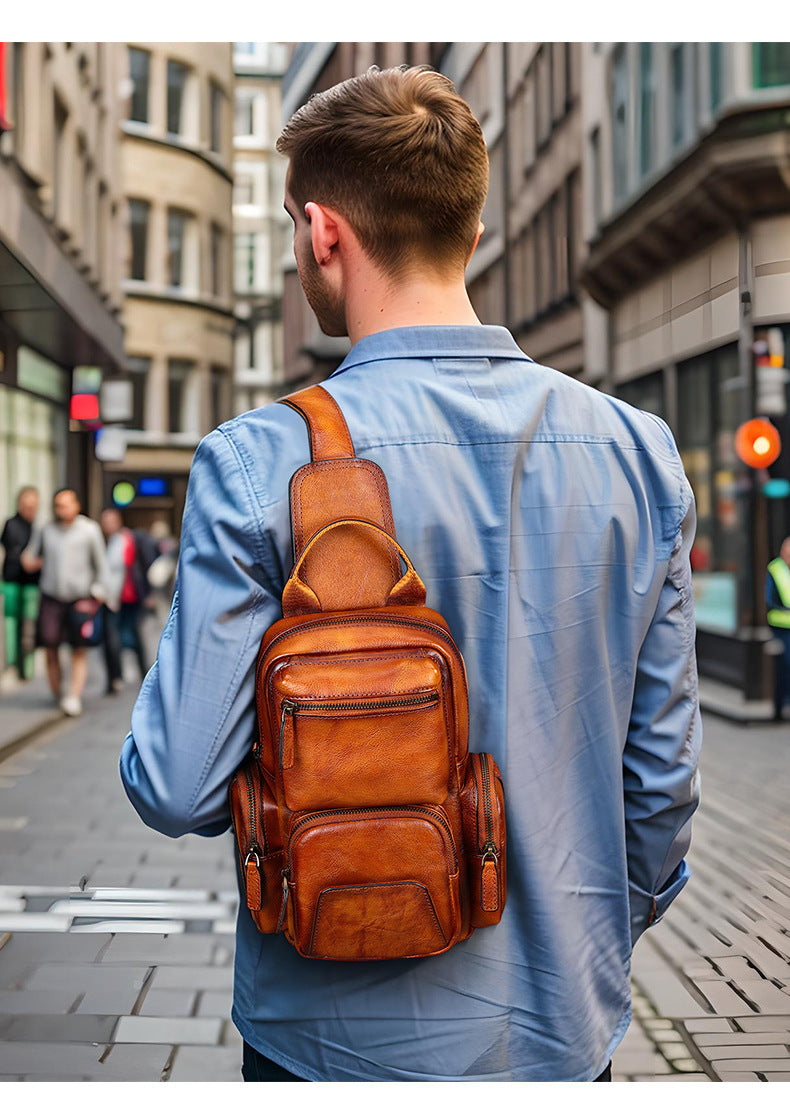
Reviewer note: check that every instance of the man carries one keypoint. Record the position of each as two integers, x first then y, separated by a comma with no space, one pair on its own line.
69,552
777,601
551,524
128,592
20,587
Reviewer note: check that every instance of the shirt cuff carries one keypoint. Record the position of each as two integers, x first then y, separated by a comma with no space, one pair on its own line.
648,908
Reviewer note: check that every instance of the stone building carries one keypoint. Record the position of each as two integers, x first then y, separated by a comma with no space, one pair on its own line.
61,232
261,240
177,171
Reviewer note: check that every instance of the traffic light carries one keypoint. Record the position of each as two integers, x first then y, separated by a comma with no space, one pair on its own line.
757,443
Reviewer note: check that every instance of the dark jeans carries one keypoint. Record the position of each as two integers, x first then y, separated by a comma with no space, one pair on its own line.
122,630
255,1067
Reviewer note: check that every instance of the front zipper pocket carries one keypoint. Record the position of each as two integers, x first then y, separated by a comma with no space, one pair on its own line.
373,883
256,827
483,809
350,729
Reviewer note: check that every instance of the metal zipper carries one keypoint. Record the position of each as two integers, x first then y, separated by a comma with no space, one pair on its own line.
489,851
420,809
362,620
350,703
253,851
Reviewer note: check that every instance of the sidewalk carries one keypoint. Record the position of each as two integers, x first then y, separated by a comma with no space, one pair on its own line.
116,943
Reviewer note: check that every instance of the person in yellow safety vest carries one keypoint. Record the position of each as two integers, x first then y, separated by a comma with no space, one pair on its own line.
777,601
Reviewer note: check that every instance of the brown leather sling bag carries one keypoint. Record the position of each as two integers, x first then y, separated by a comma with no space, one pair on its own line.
365,828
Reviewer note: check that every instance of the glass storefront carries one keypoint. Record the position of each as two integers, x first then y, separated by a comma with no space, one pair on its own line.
32,447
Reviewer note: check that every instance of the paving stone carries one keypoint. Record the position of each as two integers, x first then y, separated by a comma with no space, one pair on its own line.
21,1002
743,1038
709,1023
753,1053
674,1050
58,1059
170,1002
723,998
763,1023
676,1077
154,949
668,994
133,1062
59,1029
767,997
203,1031
626,1063
758,1065
106,1001
688,1065
85,977
215,1003
777,1076
198,1063
185,977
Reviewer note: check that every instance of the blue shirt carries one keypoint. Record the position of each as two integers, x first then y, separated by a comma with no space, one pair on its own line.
551,524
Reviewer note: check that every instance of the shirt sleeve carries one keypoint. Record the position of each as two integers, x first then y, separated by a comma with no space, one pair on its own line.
194,719
35,544
661,755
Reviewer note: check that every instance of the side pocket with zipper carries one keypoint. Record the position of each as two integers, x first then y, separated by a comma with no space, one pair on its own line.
257,831
483,808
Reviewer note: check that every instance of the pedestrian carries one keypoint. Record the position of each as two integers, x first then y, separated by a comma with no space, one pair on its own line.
20,587
777,601
69,552
128,591
552,524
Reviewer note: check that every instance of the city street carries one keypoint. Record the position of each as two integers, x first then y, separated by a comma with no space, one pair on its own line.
116,943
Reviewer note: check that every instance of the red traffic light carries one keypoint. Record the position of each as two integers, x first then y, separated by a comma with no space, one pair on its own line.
757,443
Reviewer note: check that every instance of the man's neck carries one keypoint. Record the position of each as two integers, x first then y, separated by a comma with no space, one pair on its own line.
373,305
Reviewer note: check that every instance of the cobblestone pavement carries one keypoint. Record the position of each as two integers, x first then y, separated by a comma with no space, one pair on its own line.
116,943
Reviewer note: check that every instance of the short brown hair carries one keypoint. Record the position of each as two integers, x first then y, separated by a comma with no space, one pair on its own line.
402,157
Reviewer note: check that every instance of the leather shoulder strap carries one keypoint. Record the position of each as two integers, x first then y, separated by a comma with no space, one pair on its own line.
329,435
354,568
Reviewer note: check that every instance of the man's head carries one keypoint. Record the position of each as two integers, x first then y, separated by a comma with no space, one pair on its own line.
111,521
391,163
66,505
784,551
27,504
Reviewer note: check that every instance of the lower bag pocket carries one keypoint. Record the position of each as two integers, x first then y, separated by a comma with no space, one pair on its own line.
373,884
261,858
483,809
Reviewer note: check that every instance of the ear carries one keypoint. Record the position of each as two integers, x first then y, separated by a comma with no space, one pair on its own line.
480,229
324,231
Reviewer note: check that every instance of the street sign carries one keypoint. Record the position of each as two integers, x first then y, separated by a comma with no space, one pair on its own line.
111,444
115,400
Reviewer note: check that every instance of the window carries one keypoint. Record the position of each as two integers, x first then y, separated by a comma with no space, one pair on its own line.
680,92
59,165
619,121
243,190
244,262
572,194
138,368
646,100
176,232
715,62
138,231
218,395
543,94
770,64
245,113
216,259
139,71
178,374
595,157
217,98
176,85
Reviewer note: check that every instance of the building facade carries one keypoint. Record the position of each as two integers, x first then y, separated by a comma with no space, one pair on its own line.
177,171
61,230
687,230
260,225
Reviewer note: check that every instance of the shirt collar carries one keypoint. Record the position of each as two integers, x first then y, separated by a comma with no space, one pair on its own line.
433,341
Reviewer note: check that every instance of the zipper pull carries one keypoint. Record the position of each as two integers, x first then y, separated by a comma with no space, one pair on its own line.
252,876
285,900
489,891
287,734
